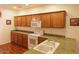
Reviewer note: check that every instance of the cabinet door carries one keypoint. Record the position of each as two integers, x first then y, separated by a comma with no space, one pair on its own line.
24,21
29,18
15,21
19,20
45,19
58,20
41,39
25,41
13,37
19,41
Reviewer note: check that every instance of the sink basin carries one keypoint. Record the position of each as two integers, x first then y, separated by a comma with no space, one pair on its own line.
47,47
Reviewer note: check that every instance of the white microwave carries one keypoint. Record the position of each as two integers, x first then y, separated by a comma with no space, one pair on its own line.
35,23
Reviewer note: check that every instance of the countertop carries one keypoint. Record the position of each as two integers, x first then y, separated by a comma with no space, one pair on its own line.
67,45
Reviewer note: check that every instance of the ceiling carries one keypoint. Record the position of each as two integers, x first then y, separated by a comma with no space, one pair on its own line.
20,6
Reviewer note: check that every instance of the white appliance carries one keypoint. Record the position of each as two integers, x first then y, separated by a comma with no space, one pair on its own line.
32,40
36,22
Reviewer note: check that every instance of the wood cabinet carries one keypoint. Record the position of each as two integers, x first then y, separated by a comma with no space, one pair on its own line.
29,18
25,41
45,19
22,39
24,21
19,21
41,39
49,20
13,37
57,20
19,39
15,21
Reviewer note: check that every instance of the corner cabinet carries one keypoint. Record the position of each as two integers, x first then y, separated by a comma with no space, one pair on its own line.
57,19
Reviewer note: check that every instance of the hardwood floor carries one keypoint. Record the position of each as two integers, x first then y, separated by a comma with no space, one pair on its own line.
11,49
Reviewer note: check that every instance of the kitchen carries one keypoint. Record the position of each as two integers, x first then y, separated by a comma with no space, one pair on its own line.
43,22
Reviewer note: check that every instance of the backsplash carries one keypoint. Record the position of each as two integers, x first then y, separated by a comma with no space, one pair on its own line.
56,31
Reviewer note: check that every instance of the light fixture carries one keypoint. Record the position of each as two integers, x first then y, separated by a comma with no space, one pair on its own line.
14,7
26,4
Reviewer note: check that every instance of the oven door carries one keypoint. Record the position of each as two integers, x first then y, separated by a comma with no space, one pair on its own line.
32,41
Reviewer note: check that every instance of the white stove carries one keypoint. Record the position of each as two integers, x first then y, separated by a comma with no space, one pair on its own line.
32,40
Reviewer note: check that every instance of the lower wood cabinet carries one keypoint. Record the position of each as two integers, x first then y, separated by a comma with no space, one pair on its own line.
19,39
22,39
25,41
41,39
13,37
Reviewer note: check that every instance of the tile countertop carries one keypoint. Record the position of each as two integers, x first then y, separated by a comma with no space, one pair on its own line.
67,45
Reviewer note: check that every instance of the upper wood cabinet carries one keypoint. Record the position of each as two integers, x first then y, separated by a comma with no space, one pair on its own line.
48,20
45,19
15,21
29,18
24,21
58,19
19,20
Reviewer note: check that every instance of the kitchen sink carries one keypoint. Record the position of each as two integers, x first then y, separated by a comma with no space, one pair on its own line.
47,47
